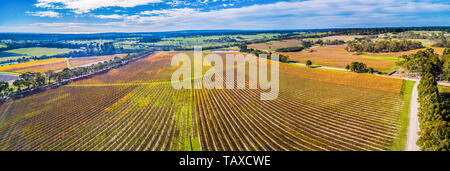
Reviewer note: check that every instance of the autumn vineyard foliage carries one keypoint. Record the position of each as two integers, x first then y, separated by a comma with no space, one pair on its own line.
134,107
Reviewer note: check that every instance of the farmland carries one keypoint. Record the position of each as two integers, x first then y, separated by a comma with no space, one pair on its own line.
92,59
207,41
343,37
337,56
135,108
39,51
275,44
15,54
55,63
10,58
397,54
36,66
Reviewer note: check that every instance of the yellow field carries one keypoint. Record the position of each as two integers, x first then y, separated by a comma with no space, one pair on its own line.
36,66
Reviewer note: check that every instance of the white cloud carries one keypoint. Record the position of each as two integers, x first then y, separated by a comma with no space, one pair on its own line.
57,24
113,16
296,14
282,15
171,12
45,14
85,6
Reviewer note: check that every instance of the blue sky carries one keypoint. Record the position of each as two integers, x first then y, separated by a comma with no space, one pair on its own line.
89,16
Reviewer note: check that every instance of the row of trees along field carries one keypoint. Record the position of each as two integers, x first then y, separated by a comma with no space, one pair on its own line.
382,46
434,110
375,31
446,65
29,44
31,80
256,52
305,44
440,38
28,80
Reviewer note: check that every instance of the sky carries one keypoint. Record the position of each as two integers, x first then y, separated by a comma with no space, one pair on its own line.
94,16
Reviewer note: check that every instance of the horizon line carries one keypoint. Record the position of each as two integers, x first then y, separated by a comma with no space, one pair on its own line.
230,30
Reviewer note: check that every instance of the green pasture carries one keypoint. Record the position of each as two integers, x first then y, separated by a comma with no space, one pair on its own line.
40,51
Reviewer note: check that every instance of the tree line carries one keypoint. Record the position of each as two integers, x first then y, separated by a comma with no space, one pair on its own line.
434,111
446,65
375,31
305,44
256,52
30,44
382,46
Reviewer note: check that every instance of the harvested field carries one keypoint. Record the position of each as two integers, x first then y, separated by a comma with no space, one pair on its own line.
92,59
275,44
314,111
337,56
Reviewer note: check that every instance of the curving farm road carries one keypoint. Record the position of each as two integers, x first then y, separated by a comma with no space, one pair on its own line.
413,129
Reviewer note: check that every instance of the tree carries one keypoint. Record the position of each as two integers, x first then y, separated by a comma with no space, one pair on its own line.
9,90
27,84
50,74
3,87
428,90
433,116
347,67
358,67
18,83
40,79
421,62
290,49
433,112
446,65
243,48
308,63
307,44
382,46
283,58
